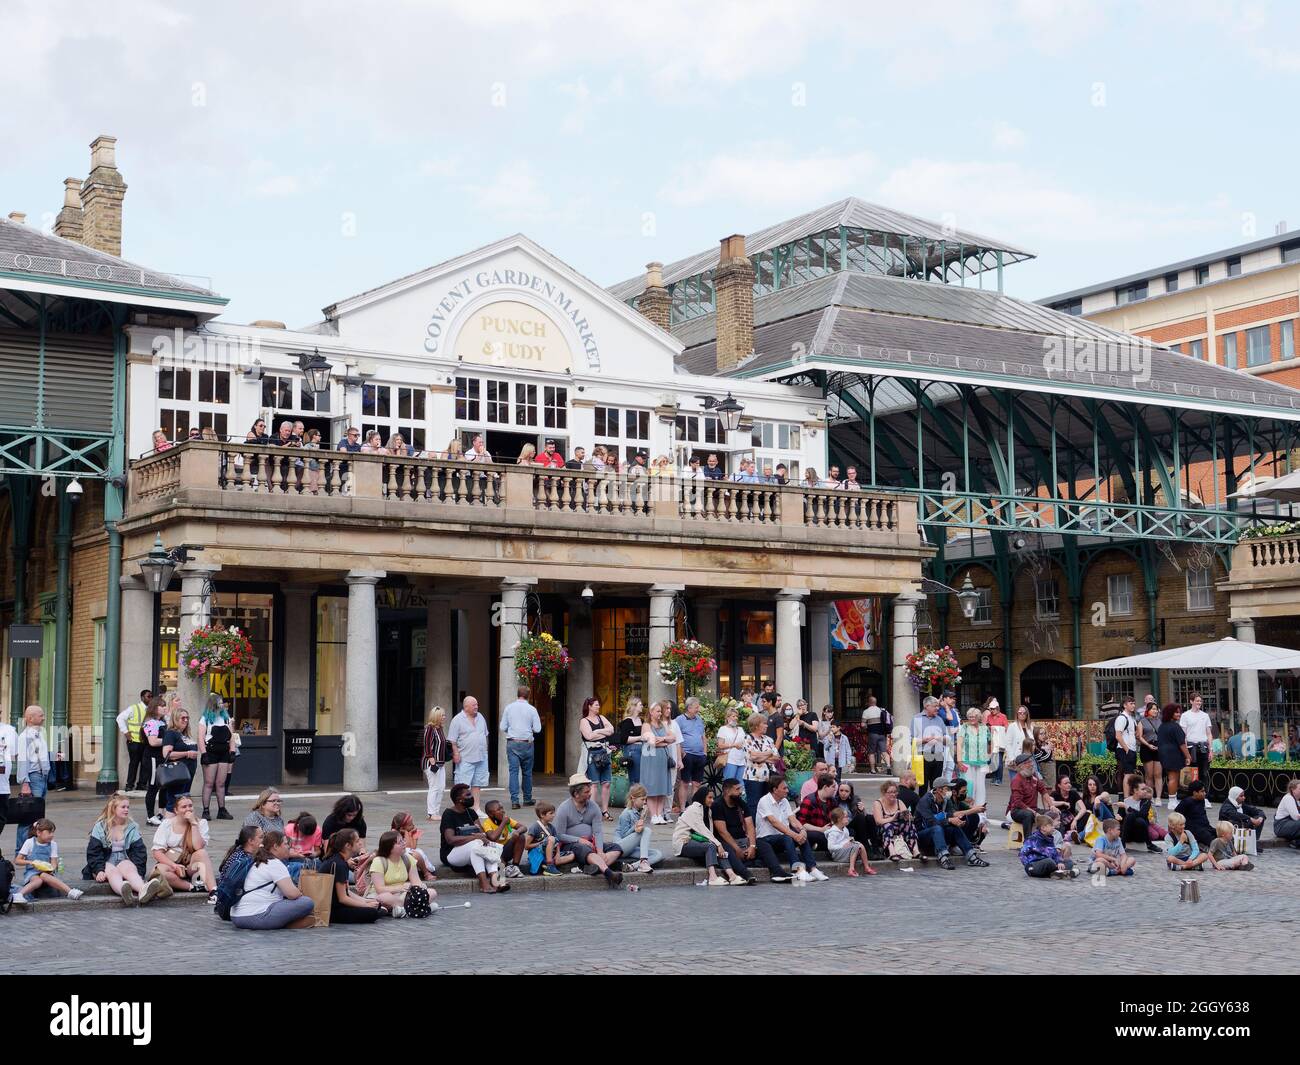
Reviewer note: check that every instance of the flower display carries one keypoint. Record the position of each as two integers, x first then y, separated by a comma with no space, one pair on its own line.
217,650
687,660
933,666
541,659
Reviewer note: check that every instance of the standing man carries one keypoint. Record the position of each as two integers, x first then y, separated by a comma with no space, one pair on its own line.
468,736
8,756
929,732
521,723
1196,727
873,721
694,751
128,724
997,723
1126,744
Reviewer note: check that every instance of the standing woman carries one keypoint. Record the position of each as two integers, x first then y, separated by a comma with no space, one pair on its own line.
656,743
1148,735
434,761
215,735
596,731
33,762
629,739
974,749
1021,728
731,746
824,724
1044,756
760,755
178,747
1172,744
151,737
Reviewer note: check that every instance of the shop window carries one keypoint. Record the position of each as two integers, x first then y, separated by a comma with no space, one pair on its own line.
555,407
525,405
468,401
331,663
1200,590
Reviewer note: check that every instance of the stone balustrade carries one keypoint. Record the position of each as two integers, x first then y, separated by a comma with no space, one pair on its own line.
274,481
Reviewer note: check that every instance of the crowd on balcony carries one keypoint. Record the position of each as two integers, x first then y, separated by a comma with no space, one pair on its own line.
601,459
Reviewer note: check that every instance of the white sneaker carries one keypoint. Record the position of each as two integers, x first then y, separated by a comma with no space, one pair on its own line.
75,893
803,878
155,820
21,900
513,872
818,875
399,911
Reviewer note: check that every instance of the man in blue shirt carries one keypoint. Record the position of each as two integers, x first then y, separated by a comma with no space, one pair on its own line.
942,830
694,752
521,724
712,470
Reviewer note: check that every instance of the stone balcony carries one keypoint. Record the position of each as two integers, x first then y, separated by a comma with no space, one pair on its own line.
1265,576
252,506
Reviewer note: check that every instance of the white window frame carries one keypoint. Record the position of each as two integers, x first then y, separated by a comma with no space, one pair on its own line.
1119,600
624,443
195,414
984,608
415,431
1047,591
1198,588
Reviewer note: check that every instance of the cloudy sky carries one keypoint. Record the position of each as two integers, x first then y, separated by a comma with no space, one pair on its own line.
300,152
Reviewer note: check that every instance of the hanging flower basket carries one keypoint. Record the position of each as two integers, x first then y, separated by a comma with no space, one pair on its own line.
212,651
932,667
541,659
687,660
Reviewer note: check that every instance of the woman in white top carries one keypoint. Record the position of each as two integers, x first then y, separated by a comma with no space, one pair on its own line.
731,743
180,849
271,899
1018,730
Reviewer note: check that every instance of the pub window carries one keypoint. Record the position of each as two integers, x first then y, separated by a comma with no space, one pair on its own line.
377,401
214,386
556,407
626,431
214,421
174,384
309,400
688,428
525,404
782,436
713,433
175,424
498,402
277,392
467,399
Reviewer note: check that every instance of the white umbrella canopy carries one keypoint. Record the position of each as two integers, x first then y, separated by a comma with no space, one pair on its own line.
1217,654
1285,489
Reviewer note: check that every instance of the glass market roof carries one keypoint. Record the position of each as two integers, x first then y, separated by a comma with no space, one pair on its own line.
848,235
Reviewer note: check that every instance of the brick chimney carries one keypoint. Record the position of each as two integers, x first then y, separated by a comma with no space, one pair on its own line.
18,216
101,198
733,286
69,223
655,302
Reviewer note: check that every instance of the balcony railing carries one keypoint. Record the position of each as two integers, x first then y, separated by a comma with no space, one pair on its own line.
1267,559
320,484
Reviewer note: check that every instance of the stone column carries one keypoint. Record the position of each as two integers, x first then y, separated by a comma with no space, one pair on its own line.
139,633
513,621
706,627
474,674
820,674
361,719
437,658
579,685
1248,708
195,612
904,700
299,632
663,631
789,644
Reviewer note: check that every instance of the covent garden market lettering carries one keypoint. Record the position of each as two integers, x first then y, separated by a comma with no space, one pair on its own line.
486,280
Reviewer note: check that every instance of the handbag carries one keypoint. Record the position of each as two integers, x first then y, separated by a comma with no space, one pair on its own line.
416,902
24,809
170,773
899,850
598,756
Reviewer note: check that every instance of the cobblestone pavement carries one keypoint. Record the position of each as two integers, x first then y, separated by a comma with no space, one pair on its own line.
1245,922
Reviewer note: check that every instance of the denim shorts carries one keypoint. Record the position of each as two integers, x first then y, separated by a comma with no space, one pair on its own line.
693,766
600,775
475,774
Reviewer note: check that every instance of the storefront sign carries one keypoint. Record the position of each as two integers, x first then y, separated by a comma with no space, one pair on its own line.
26,641
1118,634
978,645
855,624
507,332
1200,628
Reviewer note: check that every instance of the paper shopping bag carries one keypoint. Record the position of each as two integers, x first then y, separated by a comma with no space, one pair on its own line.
1186,775
1243,841
319,887
1015,836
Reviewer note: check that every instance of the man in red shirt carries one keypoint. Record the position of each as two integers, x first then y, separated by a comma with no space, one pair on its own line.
550,457
1025,790
815,811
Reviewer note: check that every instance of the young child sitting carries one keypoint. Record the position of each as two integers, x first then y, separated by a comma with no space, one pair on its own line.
1039,855
1223,855
39,861
404,824
842,845
1183,853
303,836
633,833
544,853
500,827
1108,852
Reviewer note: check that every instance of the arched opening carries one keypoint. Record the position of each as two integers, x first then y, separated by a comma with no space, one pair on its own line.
855,686
1047,687
977,684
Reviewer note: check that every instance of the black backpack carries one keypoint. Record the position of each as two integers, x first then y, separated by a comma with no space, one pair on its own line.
1112,742
6,882
416,903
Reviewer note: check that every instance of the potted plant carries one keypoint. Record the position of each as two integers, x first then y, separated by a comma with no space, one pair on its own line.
619,783
213,650
799,760
541,659
933,668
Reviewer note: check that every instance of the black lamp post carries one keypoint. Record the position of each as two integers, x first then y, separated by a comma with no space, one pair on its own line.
157,567
727,410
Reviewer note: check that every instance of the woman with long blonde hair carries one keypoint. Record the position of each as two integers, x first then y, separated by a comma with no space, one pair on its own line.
527,455
657,740
116,855
178,747
628,738
434,760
